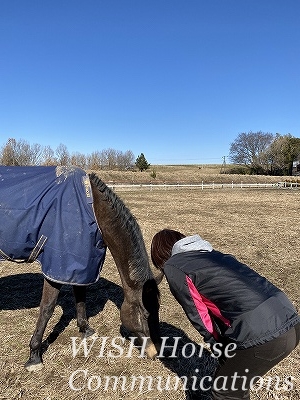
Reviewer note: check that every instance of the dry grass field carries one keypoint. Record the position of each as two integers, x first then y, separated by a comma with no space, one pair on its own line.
188,174
260,227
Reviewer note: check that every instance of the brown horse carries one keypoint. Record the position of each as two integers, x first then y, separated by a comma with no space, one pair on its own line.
123,237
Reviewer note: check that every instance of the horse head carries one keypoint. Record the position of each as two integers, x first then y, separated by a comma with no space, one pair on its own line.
140,315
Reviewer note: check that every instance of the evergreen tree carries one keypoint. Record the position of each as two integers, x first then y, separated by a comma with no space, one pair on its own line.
142,163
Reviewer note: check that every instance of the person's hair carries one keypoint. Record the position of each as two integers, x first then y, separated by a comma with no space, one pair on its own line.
162,244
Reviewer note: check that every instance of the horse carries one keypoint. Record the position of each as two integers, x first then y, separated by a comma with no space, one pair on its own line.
122,235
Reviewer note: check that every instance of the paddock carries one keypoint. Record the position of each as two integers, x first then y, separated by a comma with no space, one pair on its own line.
260,227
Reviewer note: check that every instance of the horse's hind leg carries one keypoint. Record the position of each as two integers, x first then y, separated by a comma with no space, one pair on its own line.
47,305
82,321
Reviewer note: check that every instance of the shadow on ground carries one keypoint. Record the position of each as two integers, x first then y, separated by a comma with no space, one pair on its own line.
24,291
191,362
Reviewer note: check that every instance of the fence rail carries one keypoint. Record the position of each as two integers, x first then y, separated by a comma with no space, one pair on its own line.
202,186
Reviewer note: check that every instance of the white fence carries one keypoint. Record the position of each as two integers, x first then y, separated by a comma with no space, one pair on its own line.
202,186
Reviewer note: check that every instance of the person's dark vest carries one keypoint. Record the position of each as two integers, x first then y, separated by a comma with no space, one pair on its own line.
257,310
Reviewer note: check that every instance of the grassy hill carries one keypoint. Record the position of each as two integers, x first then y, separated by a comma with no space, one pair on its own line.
187,174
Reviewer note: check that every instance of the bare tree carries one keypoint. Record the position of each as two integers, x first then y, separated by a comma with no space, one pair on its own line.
250,148
78,159
36,154
20,153
111,157
126,160
94,161
8,153
48,156
63,157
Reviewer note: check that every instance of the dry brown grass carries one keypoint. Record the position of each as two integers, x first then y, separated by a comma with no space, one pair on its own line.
261,227
187,174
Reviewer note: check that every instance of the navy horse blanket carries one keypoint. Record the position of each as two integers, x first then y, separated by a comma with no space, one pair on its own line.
46,214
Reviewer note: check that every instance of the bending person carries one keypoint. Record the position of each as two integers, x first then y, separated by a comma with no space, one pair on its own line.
228,302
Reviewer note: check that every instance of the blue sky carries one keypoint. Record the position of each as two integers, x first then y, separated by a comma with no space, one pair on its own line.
176,80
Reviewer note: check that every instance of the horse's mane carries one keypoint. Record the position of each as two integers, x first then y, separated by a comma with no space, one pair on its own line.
139,265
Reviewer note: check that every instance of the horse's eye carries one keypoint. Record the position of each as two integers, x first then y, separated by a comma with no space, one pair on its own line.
146,314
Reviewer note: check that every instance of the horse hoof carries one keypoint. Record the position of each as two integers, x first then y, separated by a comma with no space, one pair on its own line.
89,333
34,367
90,336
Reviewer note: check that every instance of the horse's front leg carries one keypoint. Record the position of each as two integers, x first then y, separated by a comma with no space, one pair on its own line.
47,305
82,321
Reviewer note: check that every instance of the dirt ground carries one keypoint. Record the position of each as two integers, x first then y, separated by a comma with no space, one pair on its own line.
260,227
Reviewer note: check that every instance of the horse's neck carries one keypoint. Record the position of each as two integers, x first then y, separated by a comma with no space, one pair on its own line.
119,242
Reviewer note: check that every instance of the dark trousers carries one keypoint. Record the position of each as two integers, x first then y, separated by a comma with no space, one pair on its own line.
250,364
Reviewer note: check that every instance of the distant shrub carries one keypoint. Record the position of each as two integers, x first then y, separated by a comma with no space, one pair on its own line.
239,170
153,174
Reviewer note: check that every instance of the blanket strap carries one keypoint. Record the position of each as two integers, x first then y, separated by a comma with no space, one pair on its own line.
37,249
33,255
7,258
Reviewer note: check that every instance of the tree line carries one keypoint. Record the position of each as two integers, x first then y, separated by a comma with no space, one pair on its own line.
22,153
263,153
259,153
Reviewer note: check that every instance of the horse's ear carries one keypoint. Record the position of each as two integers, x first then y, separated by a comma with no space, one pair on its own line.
159,277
